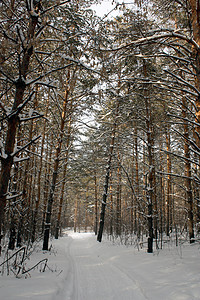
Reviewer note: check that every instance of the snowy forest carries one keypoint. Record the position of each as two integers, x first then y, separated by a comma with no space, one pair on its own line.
99,121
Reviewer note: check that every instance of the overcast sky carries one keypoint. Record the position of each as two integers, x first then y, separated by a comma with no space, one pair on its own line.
105,7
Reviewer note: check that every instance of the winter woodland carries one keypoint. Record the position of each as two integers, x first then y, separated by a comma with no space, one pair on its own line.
100,133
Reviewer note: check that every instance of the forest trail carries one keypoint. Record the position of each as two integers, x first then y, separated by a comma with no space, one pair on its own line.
106,271
95,274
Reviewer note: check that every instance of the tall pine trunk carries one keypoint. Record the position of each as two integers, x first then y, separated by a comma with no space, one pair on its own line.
150,186
107,177
188,167
64,181
13,120
106,185
169,184
38,198
47,224
118,206
95,204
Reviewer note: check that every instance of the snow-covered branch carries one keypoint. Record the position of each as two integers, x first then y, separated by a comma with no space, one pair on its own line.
18,150
175,175
183,81
20,107
54,6
155,38
36,80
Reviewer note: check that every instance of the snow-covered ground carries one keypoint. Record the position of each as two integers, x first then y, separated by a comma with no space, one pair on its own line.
80,268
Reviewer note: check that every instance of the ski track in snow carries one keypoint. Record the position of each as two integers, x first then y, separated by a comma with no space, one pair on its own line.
96,278
102,271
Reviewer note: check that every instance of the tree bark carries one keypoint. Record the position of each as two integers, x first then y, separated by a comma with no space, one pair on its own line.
106,185
150,187
38,198
118,208
195,17
47,178
13,120
136,222
169,184
188,180
47,224
95,204
64,179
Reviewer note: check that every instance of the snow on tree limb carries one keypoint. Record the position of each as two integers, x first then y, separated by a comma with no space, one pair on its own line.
47,73
18,150
183,81
154,38
54,6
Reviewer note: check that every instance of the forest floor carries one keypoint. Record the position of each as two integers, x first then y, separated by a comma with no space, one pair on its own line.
80,268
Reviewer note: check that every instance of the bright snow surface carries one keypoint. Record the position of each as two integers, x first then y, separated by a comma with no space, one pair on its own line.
80,268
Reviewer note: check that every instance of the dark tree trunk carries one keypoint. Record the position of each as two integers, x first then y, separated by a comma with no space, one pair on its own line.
150,186
95,205
47,225
169,184
106,185
13,120
103,205
188,167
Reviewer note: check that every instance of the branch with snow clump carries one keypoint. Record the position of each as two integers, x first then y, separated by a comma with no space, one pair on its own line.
18,150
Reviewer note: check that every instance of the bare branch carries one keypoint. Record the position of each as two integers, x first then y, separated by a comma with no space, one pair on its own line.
54,6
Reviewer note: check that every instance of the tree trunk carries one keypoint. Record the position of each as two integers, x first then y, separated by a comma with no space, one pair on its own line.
95,204
108,168
64,176
106,185
118,208
56,166
136,222
132,210
103,205
162,198
169,184
75,215
13,120
35,213
47,180
188,167
150,187
111,207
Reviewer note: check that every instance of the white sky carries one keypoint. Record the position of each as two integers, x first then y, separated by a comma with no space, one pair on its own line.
105,7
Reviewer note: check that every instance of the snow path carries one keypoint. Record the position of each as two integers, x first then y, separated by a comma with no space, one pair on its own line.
96,277
80,268
103,271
